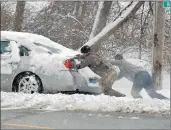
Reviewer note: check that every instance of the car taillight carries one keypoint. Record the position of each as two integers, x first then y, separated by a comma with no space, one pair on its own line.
68,64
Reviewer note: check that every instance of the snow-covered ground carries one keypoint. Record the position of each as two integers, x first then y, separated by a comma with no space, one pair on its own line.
81,102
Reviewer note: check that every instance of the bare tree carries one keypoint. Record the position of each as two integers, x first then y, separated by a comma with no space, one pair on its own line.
158,44
141,33
170,44
76,8
18,20
6,16
113,26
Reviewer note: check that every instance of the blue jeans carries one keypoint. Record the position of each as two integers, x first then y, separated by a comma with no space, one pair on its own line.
144,80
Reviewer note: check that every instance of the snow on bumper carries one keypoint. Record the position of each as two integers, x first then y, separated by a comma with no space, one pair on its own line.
84,102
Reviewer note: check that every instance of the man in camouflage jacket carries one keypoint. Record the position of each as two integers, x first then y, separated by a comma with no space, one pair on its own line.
96,64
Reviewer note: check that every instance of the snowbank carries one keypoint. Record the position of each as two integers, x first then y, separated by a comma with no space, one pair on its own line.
83,102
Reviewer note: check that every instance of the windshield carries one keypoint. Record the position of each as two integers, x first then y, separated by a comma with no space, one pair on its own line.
53,50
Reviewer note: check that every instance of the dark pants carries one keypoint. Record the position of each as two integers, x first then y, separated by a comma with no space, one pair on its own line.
144,80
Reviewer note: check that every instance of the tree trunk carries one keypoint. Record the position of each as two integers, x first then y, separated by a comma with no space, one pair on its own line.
101,17
141,34
100,20
110,28
170,44
158,44
76,8
18,20
83,9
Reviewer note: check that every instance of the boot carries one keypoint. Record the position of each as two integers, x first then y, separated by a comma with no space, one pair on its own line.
115,93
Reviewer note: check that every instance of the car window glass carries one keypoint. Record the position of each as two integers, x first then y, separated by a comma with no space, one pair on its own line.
54,50
24,51
4,45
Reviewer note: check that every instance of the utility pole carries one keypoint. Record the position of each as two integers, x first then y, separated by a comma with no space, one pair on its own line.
158,43
170,44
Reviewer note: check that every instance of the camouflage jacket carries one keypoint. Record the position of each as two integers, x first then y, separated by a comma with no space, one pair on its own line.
94,62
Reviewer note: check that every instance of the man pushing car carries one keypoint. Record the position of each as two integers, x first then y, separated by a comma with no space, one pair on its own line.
96,64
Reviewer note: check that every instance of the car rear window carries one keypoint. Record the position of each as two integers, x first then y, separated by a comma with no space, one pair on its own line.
53,50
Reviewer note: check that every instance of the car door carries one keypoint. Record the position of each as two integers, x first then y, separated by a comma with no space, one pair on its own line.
7,68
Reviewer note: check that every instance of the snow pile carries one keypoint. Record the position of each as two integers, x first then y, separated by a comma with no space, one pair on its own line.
13,48
133,118
84,102
47,63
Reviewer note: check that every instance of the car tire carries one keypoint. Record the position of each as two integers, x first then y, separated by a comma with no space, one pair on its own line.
28,83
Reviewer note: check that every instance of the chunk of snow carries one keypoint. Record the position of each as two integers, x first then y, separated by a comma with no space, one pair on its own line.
121,117
15,56
134,118
47,63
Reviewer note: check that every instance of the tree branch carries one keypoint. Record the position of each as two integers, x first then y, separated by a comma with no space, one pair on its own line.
108,30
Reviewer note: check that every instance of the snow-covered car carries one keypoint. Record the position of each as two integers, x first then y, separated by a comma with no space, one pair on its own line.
33,63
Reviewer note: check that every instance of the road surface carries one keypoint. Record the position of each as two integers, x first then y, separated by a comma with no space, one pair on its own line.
39,119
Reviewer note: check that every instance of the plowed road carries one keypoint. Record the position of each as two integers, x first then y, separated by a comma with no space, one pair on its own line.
37,119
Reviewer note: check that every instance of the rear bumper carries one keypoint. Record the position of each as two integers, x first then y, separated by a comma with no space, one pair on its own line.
83,84
93,89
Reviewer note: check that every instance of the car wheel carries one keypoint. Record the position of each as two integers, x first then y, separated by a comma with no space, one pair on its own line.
28,83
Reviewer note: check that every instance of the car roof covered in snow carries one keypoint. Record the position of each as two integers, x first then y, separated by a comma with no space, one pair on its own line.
28,39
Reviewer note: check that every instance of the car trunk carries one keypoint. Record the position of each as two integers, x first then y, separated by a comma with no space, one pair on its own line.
79,80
